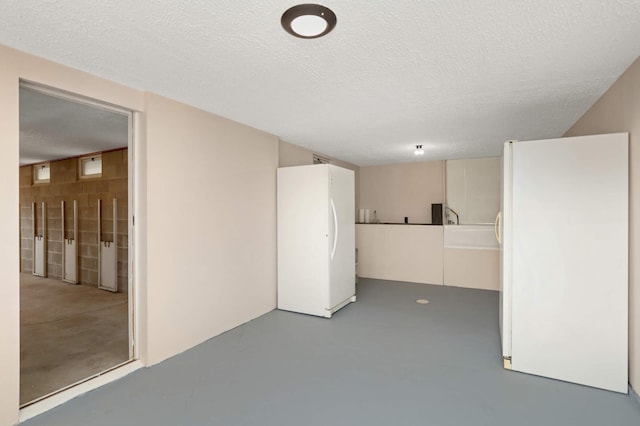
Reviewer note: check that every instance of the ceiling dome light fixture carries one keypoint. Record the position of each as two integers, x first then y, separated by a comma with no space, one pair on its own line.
308,20
419,150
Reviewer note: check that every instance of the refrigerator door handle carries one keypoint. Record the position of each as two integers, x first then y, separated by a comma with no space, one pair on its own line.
335,234
496,227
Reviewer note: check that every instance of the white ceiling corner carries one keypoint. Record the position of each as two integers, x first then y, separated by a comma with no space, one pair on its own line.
457,76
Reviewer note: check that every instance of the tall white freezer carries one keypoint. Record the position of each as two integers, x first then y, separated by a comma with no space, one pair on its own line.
316,239
564,263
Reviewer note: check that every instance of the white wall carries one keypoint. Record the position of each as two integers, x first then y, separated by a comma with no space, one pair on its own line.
473,188
211,195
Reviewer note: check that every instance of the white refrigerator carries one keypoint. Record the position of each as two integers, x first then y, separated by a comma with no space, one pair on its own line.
316,239
563,229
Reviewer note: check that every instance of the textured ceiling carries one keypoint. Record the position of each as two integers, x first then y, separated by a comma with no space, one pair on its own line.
52,128
457,76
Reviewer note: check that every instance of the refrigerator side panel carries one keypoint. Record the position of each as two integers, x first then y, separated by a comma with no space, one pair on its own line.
506,235
342,245
303,232
570,259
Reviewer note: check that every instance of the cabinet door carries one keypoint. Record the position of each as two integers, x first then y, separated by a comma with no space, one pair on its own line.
372,241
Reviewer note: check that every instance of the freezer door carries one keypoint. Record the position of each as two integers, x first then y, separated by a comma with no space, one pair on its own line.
342,246
303,234
570,259
504,235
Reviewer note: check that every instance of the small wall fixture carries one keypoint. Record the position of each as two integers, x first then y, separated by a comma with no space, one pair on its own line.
419,150
308,20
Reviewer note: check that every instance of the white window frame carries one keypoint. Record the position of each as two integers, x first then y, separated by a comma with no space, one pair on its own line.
37,181
86,158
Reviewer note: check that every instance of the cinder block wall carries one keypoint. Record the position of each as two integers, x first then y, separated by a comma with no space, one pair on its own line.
65,185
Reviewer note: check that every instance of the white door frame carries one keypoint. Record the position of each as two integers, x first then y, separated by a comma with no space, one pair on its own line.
133,363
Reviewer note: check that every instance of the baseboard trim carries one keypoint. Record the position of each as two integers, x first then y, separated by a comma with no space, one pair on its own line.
634,395
58,398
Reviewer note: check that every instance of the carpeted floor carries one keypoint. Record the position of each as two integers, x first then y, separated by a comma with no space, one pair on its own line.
67,333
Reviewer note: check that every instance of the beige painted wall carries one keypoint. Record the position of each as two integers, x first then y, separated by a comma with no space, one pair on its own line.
472,268
400,190
618,110
294,155
9,259
195,287
217,269
17,65
410,253
473,188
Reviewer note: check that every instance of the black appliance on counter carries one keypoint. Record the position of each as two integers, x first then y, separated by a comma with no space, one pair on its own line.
438,213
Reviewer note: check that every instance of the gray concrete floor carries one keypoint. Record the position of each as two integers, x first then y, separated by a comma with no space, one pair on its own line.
384,360
67,333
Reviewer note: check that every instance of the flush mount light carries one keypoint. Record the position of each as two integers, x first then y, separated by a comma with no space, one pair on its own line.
419,150
308,20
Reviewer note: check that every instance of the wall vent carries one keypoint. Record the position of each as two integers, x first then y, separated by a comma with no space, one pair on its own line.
317,159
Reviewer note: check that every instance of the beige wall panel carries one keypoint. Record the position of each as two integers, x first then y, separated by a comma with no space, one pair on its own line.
294,155
472,268
15,66
400,190
217,269
411,253
9,276
211,275
473,188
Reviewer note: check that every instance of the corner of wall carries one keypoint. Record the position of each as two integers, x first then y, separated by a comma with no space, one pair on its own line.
220,176
138,157
9,256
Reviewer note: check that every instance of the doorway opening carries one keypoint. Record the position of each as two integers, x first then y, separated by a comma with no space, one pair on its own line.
76,295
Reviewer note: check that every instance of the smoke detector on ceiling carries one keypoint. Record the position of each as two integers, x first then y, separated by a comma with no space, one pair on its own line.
308,20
